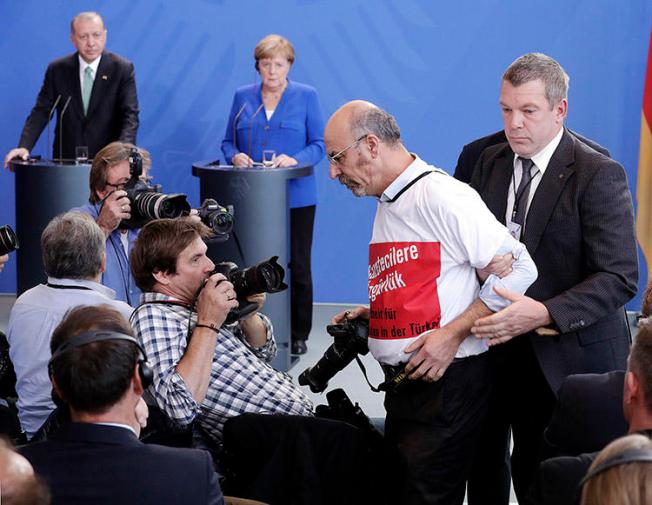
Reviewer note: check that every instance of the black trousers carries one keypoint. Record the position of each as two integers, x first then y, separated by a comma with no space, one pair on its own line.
302,220
435,427
522,401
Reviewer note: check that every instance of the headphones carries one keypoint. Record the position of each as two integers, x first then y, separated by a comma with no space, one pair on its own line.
144,370
629,456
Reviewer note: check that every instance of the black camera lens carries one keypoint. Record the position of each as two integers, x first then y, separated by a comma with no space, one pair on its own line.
350,340
218,218
151,205
8,240
265,277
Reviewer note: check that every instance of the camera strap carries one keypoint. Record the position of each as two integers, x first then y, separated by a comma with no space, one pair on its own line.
364,372
391,382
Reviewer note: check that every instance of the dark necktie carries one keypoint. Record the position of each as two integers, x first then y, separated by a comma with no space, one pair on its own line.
523,191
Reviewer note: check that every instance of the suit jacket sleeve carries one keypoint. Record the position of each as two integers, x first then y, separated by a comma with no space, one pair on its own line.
315,149
465,165
38,118
609,247
129,106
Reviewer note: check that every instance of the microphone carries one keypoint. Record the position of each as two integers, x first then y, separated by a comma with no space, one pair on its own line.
63,111
235,124
50,114
251,129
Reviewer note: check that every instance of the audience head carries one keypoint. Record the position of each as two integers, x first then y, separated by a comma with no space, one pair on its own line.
88,35
169,256
357,136
533,100
18,483
637,396
110,169
621,473
93,377
73,247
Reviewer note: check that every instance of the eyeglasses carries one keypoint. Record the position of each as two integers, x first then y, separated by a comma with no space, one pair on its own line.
336,159
121,185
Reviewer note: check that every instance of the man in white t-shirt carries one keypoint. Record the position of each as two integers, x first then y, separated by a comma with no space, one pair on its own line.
432,238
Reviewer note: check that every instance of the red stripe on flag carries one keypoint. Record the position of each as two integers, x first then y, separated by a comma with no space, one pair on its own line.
647,92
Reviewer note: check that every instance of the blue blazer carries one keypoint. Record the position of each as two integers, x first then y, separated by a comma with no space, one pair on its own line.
296,129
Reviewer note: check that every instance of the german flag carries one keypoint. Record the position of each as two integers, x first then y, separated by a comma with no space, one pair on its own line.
644,183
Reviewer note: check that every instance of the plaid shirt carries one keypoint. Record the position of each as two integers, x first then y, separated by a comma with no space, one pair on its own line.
241,378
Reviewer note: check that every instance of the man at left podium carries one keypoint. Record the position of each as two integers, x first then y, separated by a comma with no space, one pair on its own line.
100,87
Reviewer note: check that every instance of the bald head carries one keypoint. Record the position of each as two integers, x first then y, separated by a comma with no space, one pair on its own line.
364,148
19,485
359,117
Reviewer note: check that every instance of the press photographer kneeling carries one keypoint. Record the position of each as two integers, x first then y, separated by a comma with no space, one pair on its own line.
207,372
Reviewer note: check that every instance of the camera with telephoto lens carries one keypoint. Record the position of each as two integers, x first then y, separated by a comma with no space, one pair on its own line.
265,277
8,240
148,203
350,339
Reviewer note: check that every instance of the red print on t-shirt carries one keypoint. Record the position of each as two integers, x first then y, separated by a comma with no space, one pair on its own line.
403,289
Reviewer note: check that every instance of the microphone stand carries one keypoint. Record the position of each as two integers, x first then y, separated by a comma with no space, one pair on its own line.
251,130
235,135
63,111
56,102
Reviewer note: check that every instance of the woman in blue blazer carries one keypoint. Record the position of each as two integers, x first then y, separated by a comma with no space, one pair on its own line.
283,116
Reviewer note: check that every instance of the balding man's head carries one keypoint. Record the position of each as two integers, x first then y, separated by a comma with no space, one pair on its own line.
359,118
18,484
364,148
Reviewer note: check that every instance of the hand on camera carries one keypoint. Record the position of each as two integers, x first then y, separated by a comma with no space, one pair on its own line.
258,299
3,259
359,312
115,208
215,301
242,160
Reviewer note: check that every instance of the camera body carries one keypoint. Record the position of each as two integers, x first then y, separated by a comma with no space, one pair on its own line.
8,240
147,202
264,277
216,217
349,340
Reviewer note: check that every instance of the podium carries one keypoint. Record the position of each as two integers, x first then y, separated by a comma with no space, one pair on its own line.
44,189
258,200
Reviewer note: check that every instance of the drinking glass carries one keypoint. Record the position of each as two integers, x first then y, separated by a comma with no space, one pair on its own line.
269,157
81,154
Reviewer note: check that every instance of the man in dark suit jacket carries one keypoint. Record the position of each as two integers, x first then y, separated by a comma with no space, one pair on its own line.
558,479
574,213
103,103
100,371
471,152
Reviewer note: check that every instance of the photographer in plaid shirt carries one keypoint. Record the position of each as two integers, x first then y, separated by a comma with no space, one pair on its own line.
203,370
